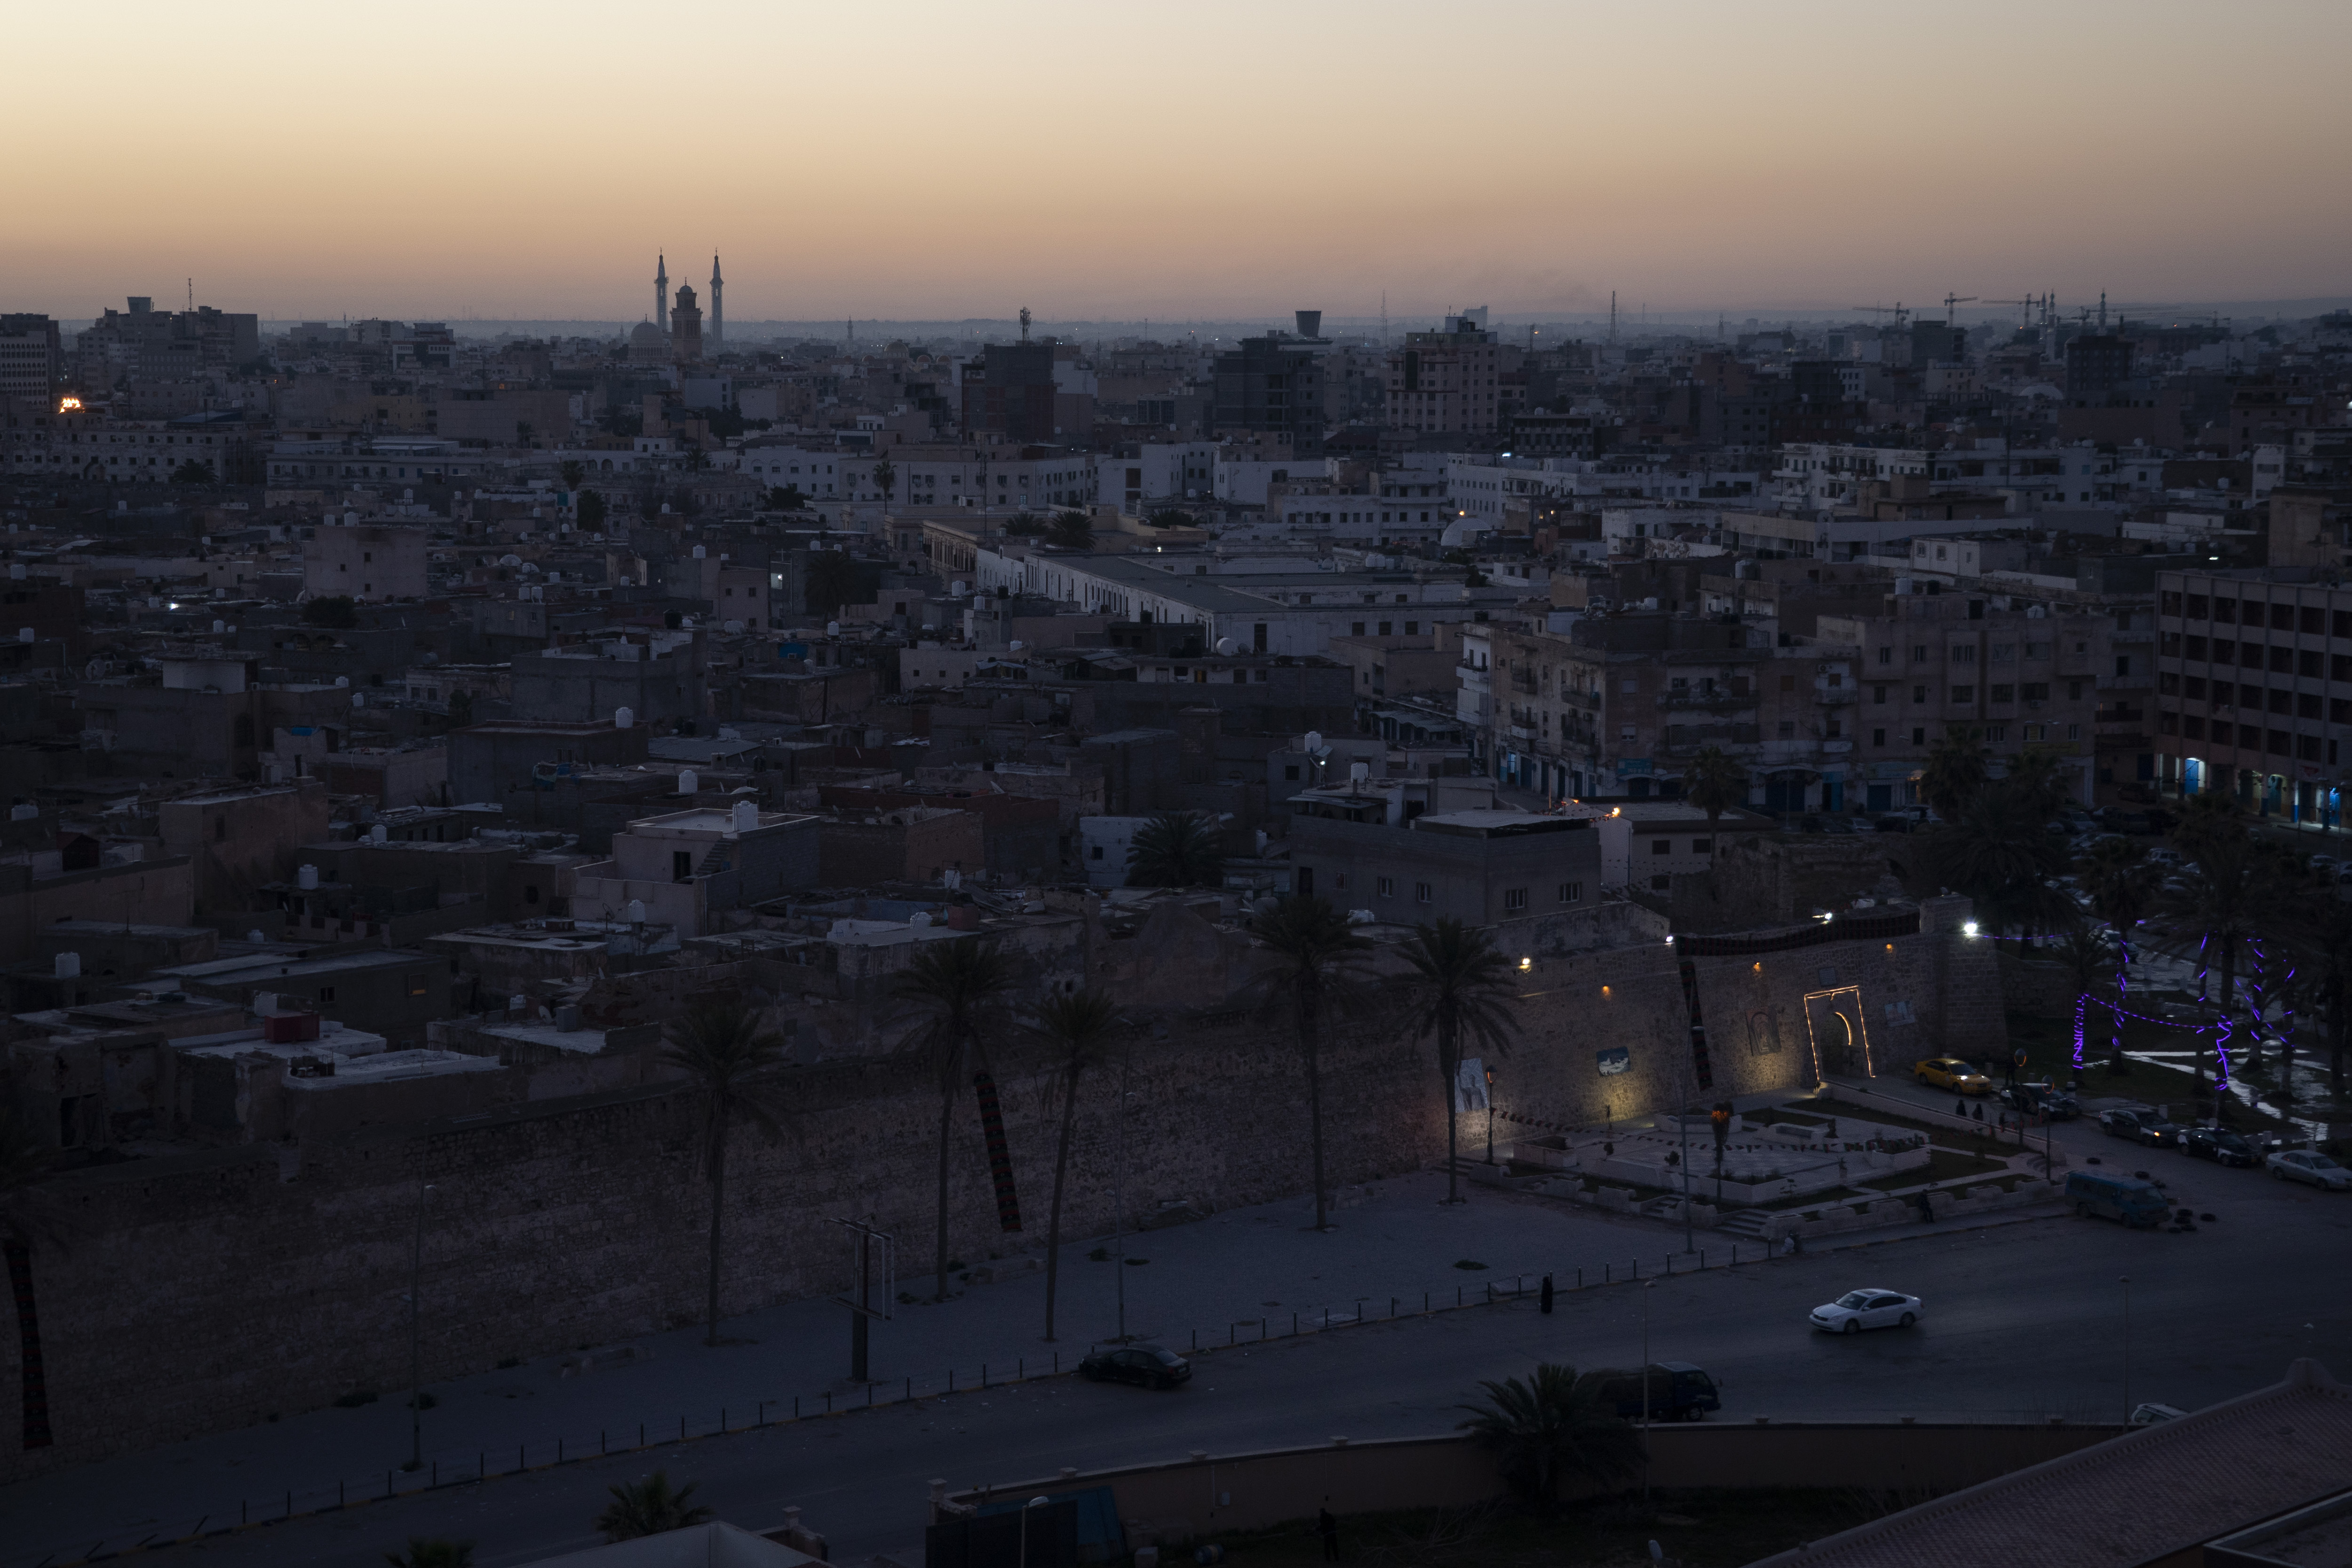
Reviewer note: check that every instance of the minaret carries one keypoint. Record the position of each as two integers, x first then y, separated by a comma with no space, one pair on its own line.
717,334
661,291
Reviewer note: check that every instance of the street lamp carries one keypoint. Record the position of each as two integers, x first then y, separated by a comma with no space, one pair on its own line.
1033,1502
415,1351
1647,1286
2127,1404
1490,1116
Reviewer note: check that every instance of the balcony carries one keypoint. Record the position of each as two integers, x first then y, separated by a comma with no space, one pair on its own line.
1835,696
1710,702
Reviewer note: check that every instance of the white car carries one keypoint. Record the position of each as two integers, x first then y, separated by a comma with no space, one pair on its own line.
2308,1165
1859,1310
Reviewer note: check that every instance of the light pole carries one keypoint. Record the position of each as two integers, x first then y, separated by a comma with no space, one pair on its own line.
1684,1118
1647,1286
1490,1116
2127,1404
1033,1502
1119,1196
415,1342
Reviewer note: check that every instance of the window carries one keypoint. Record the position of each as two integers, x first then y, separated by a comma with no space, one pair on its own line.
2035,691
419,984
2074,732
1787,683
1630,685
1514,898
1290,770
1702,846
326,994
1788,728
1886,656
1964,654
1661,884
1878,737
1878,694
1662,846
531,895
1421,894
1340,880
2003,694
1918,694
1571,892
1964,694
1387,887
1996,732
1919,736
1919,653
681,866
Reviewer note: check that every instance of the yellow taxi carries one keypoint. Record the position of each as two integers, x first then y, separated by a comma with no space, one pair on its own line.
1952,1073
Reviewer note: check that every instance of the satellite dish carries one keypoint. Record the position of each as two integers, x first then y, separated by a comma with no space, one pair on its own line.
1227,647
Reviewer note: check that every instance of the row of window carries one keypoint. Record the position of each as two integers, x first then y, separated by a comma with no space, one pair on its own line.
1996,733
2247,737
2227,694
1422,894
2312,620
1966,653
2309,663
2028,692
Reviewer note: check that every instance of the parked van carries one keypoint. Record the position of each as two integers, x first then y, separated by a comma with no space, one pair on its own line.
1677,1392
2136,1204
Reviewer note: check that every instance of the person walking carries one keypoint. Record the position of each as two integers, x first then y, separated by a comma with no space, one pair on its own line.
1329,1529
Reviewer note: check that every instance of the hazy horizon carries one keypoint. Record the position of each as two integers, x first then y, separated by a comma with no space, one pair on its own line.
945,162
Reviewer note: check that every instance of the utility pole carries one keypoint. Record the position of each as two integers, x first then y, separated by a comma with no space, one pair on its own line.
1682,1120
2127,1404
1647,1286
1118,1195
416,1340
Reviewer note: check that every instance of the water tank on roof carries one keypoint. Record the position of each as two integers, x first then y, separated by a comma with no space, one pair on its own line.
699,552
307,878
688,781
24,811
1226,648
920,919
255,935
1016,645
636,911
747,816
1314,740
342,680
959,589
622,718
379,834
832,628
68,966
1358,772
733,627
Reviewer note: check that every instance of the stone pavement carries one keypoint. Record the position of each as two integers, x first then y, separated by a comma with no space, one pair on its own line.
1394,1246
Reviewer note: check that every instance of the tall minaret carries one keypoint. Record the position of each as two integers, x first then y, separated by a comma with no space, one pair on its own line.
661,292
717,336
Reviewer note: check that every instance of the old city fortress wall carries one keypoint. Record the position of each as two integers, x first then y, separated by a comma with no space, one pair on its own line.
208,1291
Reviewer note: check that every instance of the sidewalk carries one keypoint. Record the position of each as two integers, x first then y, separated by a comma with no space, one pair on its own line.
1234,1275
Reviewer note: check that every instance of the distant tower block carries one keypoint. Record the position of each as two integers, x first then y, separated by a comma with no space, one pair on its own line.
718,333
661,289
686,326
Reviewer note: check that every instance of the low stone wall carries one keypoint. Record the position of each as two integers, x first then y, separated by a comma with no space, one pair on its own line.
1213,1494
1838,1217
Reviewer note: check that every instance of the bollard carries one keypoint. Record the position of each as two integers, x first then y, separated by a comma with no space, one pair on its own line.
828,1402
951,1380
722,1431
559,1447
1293,1325
387,1486
1393,1306
910,1390
1229,1334
1424,1303
600,1441
1607,1275
641,1429
762,1420
681,1429
339,1495
1261,1331
796,1406
289,1505
520,1466
1021,1367
869,1397
436,1472
1637,1269
1579,1278
983,1377
1545,1305
241,1516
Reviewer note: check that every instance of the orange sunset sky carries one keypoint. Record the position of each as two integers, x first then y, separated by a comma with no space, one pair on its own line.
1124,159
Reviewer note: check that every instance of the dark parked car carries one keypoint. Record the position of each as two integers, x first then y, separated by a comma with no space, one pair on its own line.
1675,1390
2040,1100
1153,1366
2220,1145
2148,1127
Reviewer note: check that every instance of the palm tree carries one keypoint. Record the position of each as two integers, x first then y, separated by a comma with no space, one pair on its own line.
649,1508
787,497
2328,938
1460,990
1177,849
1552,1427
1078,1025
572,473
2037,779
24,1227
2123,885
730,1063
2204,817
1993,847
2220,908
1316,971
1071,531
1714,782
886,478
432,1551
951,985
1957,768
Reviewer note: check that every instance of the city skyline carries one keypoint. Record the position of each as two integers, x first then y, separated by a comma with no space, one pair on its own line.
1102,166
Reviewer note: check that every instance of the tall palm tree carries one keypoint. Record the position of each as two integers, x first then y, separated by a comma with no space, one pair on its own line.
1714,782
730,1064
572,473
2328,938
24,1226
1078,1027
2220,908
432,1551
1316,971
2123,886
1551,1428
2037,778
1955,769
1177,849
1071,531
951,985
1993,847
2205,817
886,478
1460,990
650,1508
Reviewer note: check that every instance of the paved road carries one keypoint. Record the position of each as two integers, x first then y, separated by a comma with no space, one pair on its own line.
2024,1320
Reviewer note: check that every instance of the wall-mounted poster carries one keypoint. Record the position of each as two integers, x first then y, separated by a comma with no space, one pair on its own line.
1614,1060
1470,1085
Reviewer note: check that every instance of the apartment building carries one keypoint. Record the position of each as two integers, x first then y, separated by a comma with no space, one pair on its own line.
2254,691
1448,380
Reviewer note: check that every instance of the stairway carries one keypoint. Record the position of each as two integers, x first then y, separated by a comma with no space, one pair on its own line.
713,862
1751,1223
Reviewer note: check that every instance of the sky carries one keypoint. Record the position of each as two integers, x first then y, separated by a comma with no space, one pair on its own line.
921,160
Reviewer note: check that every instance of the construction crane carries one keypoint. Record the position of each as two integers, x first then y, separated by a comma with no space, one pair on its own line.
2025,309
1897,310
1952,299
